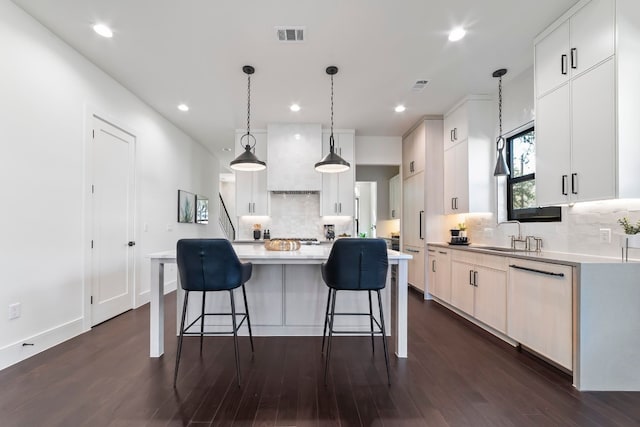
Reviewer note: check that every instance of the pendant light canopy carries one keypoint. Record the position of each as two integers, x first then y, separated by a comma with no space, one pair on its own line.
332,162
247,161
501,165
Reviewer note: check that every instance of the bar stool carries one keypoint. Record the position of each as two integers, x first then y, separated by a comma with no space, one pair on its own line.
355,265
209,265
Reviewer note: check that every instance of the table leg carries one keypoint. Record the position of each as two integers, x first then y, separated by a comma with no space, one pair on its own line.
401,310
156,321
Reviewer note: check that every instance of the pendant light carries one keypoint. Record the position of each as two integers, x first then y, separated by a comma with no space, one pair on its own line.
501,165
247,161
332,162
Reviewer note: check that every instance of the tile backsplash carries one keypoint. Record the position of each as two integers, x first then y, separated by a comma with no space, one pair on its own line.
294,215
578,232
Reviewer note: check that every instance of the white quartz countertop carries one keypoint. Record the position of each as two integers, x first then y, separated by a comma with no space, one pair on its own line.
306,254
574,260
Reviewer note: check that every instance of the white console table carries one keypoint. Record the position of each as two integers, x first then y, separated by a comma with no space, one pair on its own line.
258,255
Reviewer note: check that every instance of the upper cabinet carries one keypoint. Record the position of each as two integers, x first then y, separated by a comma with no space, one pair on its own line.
577,44
252,197
413,152
337,196
467,158
292,152
586,117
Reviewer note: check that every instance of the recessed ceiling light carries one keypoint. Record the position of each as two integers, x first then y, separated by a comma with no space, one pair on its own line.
457,34
294,107
103,30
183,107
297,136
400,108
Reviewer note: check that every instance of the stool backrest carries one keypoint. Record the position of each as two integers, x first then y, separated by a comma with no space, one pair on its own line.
208,265
356,264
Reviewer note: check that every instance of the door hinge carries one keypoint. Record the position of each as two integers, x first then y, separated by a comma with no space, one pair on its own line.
91,299
92,244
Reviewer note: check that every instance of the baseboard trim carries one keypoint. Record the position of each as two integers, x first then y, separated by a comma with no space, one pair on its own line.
17,352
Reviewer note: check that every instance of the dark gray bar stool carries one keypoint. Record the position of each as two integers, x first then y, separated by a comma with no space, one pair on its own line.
355,265
209,265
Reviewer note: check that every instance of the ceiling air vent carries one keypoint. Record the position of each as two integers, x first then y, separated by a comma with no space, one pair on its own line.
290,34
419,85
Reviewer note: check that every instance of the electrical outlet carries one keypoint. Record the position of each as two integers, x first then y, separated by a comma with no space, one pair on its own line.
605,235
14,310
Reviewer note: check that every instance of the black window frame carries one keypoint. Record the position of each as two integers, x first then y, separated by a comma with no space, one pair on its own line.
537,214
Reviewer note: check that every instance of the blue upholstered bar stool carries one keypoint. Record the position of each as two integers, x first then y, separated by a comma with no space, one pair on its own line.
208,265
355,265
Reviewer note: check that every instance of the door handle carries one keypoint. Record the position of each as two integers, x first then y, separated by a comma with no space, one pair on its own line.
475,279
563,64
471,277
574,58
564,185
131,243
420,226
574,183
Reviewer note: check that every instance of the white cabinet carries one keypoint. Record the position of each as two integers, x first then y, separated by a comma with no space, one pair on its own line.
439,268
394,197
337,196
479,287
413,152
416,268
413,218
292,152
540,308
575,45
252,197
467,159
586,122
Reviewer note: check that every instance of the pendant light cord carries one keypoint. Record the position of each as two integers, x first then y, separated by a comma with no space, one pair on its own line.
248,104
500,105
331,141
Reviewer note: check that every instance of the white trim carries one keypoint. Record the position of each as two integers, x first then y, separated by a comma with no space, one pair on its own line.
16,352
468,98
517,130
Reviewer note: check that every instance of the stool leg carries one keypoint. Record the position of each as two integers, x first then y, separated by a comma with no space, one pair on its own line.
333,310
184,313
373,349
204,295
235,333
326,320
384,337
246,310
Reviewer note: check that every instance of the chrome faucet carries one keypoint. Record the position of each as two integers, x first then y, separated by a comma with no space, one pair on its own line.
519,238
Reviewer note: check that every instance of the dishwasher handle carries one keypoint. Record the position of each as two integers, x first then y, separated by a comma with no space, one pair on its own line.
534,270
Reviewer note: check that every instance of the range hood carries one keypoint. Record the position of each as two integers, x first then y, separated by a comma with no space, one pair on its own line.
292,151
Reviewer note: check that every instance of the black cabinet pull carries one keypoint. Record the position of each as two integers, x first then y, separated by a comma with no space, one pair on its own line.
420,219
433,265
475,279
534,270
451,135
563,64
574,58
564,185
574,183
471,277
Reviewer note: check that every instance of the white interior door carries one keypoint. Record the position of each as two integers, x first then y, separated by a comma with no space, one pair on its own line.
112,259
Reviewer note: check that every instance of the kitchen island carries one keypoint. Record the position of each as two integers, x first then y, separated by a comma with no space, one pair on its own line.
286,295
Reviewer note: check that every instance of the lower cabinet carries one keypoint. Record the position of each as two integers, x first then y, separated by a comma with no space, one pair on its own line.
479,287
416,266
439,268
540,308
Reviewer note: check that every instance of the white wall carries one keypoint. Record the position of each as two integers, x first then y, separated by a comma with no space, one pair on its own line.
580,227
48,91
378,150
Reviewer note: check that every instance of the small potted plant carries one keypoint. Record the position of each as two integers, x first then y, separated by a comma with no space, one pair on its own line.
632,232
463,229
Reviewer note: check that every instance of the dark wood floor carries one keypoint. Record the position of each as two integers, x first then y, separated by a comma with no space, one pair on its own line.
456,375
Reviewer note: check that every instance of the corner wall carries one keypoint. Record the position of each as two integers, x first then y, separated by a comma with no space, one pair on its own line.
48,90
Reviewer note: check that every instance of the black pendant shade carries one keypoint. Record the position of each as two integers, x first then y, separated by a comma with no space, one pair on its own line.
247,161
332,162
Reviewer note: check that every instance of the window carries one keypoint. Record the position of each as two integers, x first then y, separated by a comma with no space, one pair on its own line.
521,183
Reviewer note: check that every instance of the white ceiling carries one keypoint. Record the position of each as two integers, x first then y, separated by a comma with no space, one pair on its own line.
169,51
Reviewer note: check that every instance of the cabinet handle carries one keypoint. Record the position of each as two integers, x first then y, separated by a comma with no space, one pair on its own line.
420,225
563,64
574,58
249,207
471,277
433,265
534,270
574,183
456,199
475,279
451,135
564,185
455,134
393,213
339,207
433,251
443,253
254,208
452,208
